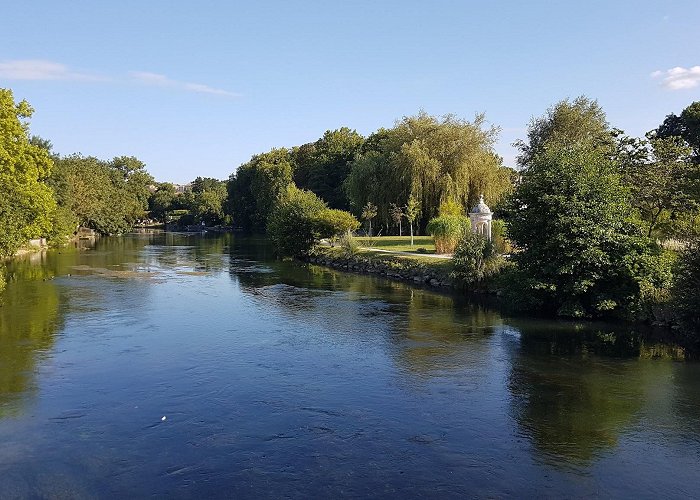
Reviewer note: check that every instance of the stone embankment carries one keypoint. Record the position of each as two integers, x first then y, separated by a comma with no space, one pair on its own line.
401,269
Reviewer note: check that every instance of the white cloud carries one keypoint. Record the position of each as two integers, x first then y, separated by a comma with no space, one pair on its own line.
679,78
163,81
37,69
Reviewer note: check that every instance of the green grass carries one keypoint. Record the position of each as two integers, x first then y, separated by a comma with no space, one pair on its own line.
443,265
399,243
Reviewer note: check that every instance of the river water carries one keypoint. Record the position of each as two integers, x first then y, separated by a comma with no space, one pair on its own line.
175,365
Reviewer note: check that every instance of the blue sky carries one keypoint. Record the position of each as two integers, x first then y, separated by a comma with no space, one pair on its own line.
196,88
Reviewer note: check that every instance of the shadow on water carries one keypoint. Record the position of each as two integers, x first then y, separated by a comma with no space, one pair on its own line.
575,388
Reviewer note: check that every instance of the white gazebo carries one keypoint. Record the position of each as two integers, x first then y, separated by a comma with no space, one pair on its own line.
480,217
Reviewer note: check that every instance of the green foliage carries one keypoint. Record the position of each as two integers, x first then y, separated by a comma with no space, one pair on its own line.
162,201
685,126
257,186
580,254
661,177
323,166
63,226
106,196
369,212
447,230
205,202
686,290
581,121
431,159
292,225
474,259
451,207
332,223
301,218
349,244
499,236
27,205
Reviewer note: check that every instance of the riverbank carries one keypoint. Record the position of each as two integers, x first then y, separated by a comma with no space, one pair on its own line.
416,269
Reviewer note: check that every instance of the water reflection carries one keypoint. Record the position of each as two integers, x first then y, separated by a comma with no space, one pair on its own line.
569,397
30,316
303,381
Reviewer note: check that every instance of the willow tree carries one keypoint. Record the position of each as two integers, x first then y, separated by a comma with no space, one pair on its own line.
432,159
27,205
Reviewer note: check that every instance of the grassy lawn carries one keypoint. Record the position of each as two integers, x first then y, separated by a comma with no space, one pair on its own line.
399,243
444,265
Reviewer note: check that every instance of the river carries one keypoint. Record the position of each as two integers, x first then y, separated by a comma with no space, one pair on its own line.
174,365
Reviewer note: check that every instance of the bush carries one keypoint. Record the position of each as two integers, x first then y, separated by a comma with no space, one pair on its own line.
447,231
301,218
64,226
499,237
686,290
332,223
292,224
349,244
474,259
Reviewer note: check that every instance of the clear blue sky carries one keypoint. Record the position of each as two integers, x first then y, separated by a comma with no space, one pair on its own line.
196,88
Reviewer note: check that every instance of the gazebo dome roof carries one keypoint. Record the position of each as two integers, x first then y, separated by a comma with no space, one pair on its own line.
481,207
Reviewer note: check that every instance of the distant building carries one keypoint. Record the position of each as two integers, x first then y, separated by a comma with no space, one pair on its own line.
183,188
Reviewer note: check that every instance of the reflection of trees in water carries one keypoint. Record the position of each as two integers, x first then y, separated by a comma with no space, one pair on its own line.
443,333
427,331
180,251
572,403
30,316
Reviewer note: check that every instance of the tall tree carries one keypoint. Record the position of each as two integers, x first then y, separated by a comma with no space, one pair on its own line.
26,202
686,126
581,121
661,176
256,186
581,253
323,166
432,159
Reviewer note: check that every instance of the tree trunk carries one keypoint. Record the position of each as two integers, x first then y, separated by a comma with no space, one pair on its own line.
411,233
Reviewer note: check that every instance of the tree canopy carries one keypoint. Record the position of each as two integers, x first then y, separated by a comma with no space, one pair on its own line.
431,159
27,205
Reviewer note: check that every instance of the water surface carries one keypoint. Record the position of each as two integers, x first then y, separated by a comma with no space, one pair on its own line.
190,366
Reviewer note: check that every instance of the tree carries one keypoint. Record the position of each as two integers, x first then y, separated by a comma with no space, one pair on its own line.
471,257
412,211
685,126
332,223
105,196
292,224
256,187
369,212
432,159
27,205
161,201
580,253
323,166
397,214
686,290
581,121
660,175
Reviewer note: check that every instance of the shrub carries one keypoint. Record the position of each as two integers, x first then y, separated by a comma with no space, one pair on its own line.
292,224
686,289
349,244
332,223
301,218
499,237
447,231
473,258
